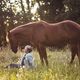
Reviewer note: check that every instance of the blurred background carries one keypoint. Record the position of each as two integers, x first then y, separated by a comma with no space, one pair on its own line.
17,12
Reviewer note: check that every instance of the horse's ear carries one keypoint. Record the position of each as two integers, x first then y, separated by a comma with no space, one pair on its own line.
8,36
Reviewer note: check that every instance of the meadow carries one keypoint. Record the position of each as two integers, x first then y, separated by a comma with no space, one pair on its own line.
58,69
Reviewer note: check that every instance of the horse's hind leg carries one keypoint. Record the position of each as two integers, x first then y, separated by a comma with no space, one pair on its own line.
78,54
74,51
43,54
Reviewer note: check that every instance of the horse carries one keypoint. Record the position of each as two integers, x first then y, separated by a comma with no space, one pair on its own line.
42,34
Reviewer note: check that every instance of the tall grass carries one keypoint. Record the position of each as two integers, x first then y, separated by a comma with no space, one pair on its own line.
58,69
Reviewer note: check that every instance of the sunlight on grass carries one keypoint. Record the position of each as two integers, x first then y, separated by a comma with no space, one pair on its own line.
58,69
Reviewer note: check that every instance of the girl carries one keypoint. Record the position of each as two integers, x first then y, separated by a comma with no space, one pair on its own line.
27,59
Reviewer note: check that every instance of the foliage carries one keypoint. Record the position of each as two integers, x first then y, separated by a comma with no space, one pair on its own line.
17,12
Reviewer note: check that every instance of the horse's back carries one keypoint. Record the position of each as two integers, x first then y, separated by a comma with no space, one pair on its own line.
43,32
62,32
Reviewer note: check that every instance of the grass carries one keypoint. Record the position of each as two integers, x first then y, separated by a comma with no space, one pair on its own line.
59,68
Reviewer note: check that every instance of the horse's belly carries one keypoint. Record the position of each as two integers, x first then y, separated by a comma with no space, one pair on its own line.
57,43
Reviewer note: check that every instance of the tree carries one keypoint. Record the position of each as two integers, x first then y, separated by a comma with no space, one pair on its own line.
2,26
19,12
72,11
48,9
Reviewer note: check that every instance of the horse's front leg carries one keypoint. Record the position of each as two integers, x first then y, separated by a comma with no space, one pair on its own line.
43,54
74,51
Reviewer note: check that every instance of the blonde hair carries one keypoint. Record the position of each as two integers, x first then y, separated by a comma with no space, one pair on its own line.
28,48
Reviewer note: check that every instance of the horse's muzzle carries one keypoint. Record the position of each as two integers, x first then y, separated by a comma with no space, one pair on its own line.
14,50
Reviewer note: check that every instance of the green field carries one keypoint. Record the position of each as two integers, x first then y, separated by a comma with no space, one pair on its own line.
59,68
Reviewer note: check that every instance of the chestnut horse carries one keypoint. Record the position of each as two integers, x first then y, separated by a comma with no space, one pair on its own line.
42,34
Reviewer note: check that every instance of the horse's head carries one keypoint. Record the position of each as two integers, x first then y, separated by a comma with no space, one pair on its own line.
13,42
